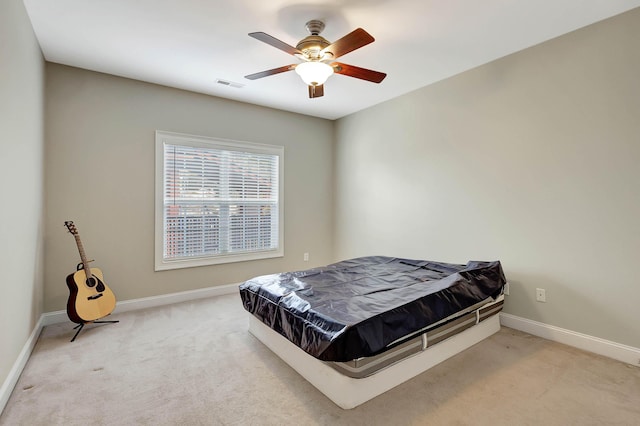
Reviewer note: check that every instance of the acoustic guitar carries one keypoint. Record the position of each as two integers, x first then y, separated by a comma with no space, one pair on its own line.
89,297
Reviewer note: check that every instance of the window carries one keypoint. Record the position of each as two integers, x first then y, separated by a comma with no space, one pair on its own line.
217,201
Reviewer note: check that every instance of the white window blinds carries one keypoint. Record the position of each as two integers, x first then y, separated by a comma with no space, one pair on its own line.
220,201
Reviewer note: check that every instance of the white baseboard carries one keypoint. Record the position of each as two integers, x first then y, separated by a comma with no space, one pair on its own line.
617,351
57,317
18,366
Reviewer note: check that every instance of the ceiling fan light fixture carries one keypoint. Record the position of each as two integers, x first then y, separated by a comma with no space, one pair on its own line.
314,73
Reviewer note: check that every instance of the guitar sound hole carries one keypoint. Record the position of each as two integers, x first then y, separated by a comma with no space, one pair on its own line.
91,282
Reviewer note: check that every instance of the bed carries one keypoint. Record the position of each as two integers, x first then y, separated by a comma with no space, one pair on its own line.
359,327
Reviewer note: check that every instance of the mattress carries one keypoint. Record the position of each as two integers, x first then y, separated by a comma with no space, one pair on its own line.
362,307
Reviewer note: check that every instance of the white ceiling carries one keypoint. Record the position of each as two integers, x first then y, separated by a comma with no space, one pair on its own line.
188,44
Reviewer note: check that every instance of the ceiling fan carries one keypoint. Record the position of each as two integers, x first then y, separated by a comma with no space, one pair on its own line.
317,55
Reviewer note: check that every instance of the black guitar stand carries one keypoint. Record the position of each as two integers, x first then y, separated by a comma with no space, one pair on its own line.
82,324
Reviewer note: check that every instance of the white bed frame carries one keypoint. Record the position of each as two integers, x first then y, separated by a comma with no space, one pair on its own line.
347,392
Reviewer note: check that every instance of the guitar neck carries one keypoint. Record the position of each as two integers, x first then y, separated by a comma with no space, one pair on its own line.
83,256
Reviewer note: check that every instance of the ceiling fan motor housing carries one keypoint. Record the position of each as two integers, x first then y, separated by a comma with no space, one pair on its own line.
312,47
313,44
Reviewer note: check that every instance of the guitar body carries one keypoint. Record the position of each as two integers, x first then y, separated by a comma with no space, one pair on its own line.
89,300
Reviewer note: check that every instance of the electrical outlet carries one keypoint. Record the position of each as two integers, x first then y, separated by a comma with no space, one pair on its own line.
506,289
541,295
306,257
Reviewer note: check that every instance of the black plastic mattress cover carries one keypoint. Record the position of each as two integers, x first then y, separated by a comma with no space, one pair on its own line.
358,307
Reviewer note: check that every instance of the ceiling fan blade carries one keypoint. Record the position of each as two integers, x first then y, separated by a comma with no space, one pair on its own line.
267,73
352,41
357,72
316,91
266,38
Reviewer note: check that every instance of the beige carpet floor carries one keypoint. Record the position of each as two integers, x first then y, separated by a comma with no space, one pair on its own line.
194,363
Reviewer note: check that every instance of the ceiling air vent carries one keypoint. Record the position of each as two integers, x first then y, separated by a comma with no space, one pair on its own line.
229,83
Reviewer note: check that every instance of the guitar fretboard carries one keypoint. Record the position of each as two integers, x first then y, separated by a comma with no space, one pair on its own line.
83,256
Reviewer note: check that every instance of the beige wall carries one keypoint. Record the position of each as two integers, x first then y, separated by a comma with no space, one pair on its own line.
21,171
532,159
100,133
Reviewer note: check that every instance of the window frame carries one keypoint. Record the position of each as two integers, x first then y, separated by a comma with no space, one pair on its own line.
164,137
